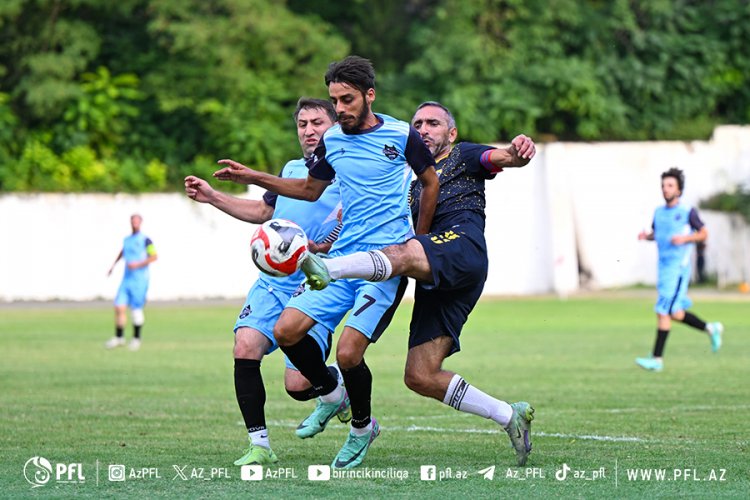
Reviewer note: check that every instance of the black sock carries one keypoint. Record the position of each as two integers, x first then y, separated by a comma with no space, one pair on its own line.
304,395
691,319
661,339
137,331
119,332
358,382
310,392
251,393
308,358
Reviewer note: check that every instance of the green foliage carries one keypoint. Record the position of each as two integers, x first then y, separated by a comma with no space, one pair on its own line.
80,169
186,82
241,66
38,168
583,70
735,202
103,112
152,85
8,123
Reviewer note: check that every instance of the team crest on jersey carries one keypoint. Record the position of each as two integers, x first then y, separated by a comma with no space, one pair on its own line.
390,152
245,312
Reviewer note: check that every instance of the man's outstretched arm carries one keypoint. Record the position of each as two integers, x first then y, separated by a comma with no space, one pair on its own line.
253,211
308,189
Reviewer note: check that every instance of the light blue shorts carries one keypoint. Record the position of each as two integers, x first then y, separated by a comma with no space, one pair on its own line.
372,305
672,288
132,293
263,307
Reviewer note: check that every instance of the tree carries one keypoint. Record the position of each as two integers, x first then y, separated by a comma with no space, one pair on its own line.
179,82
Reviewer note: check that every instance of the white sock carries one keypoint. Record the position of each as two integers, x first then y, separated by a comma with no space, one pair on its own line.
370,266
259,438
334,396
467,398
361,431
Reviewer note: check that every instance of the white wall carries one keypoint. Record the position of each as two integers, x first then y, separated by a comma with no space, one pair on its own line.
615,188
61,247
575,200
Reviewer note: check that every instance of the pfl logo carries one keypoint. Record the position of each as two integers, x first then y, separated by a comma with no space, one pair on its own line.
38,472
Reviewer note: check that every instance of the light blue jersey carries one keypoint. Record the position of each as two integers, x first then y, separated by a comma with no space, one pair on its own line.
374,170
674,260
318,218
135,248
134,286
269,295
673,221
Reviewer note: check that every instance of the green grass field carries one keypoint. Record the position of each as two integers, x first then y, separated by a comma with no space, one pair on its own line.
599,417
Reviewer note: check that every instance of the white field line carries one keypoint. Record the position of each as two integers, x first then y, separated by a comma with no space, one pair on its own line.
674,409
445,430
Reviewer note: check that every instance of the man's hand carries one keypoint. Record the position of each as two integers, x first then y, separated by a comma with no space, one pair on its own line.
643,235
680,239
318,247
523,148
198,189
235,172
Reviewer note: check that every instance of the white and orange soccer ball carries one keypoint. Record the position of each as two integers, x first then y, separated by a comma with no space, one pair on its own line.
278,247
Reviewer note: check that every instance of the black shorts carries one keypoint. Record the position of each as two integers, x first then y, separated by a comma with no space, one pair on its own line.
458,259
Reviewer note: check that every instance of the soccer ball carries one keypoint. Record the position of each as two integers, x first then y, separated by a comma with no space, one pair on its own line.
278,246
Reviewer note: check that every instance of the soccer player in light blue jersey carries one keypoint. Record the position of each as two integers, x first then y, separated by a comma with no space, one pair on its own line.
450,265
372,156
269,295
138,252
676,228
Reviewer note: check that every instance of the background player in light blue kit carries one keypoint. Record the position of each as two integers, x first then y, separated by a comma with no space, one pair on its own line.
138,252
372,157
676,228
253,330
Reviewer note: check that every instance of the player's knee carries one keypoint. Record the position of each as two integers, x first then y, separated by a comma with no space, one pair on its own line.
417,382
250,344
284,333
409,259
246,350
400,256
348,356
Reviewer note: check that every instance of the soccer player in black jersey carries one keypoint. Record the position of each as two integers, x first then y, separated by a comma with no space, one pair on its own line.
450,266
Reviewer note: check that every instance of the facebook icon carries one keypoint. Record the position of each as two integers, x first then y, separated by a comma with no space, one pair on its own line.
427,472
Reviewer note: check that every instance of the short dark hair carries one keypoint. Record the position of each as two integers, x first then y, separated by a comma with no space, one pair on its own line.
352,70
677,174
311,103
451,120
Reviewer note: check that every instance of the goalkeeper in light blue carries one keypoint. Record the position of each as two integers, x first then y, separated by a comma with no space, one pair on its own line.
676,228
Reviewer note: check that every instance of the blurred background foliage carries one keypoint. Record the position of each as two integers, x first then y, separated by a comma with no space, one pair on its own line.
133,95
736,201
